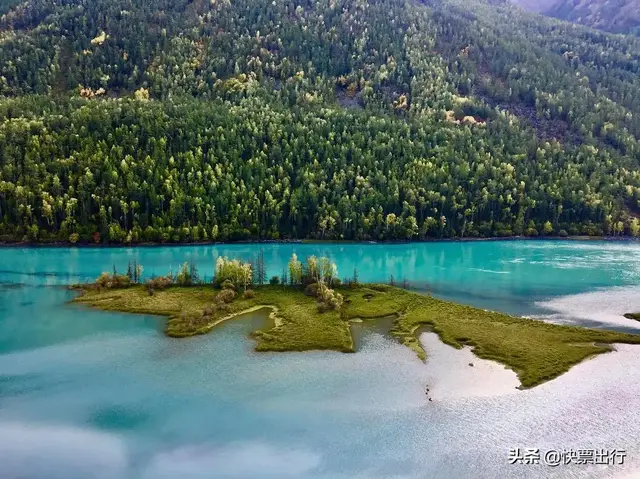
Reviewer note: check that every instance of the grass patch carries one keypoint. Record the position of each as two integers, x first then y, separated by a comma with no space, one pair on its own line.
298,324
635,316
535,350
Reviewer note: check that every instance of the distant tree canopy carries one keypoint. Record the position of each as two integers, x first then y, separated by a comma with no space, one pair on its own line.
130,121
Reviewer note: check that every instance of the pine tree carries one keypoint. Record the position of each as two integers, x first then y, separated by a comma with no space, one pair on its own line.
262,270
255,276
193,273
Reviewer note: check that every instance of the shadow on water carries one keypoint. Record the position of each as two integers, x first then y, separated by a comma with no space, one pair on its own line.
5,285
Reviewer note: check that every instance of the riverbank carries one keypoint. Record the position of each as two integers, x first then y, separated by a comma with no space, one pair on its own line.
534,350
85,244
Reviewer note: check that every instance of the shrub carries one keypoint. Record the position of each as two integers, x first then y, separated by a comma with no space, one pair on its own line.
225,296
563,234
332,299
151,291
113,281
248,294
161,282
312,290
327,298
209,311
227,284
102,280
322,307
73,238
274,280
336,301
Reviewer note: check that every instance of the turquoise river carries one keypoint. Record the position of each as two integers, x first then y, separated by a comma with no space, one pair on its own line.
90,394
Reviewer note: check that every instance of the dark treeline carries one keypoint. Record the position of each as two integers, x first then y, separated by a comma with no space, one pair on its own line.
130,121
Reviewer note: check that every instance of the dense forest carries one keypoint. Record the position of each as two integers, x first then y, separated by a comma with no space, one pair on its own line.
617,16
170,121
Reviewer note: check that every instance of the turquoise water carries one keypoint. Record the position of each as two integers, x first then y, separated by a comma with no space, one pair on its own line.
94,394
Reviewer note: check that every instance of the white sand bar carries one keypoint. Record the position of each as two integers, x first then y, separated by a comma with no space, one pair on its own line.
449,374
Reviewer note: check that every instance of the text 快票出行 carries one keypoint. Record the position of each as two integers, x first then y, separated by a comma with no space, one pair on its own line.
557,457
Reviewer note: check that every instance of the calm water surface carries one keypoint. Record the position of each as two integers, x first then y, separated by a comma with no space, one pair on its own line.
94,394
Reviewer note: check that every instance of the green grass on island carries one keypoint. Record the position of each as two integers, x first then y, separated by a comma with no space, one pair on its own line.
535,350
635,316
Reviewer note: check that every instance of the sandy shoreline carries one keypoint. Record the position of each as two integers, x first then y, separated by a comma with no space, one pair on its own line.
450,375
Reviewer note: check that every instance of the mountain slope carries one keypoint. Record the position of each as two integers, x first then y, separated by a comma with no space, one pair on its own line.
126,120
617,16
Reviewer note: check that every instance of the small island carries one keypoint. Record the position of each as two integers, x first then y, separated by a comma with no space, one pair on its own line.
310,309
635,316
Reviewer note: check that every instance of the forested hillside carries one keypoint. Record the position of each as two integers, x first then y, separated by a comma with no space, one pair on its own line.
157,120
618,16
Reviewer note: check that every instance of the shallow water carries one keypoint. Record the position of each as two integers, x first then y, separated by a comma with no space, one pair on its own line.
95,394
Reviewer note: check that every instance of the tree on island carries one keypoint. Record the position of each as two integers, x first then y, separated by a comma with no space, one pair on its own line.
238,273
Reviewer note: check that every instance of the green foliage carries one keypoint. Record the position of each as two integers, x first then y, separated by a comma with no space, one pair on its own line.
328,299
316,270
233,272
227,284
274,280
188,275
127,122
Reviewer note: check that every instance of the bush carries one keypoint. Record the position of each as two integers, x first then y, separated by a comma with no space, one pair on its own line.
225,296
335,302
228,284
161,282
209,311
563,234
312,290
327,298
248,294
73,238
113,281
274,280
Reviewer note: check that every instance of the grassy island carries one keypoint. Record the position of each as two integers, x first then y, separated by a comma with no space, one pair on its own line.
535,350
635,316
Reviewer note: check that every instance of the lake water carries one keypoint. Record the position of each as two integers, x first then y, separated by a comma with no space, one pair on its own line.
89,394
